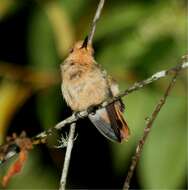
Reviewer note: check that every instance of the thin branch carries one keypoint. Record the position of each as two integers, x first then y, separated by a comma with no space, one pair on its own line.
94,22
142,141
70,144
41,137
73,125
136,86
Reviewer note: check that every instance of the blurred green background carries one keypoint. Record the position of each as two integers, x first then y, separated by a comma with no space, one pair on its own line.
134,39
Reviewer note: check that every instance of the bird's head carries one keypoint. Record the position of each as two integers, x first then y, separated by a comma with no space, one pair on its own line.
81,53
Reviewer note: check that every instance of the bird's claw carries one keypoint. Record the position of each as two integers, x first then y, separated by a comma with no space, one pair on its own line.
77,115
91,110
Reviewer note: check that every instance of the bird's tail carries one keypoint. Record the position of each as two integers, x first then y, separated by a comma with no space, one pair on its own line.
110,122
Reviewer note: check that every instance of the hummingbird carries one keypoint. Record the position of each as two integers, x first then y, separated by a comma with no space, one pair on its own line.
86,84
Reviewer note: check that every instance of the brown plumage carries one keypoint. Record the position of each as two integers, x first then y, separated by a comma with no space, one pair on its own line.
85,84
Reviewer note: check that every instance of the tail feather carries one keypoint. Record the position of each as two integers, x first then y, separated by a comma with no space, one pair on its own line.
110,122
124,129
102,123
114,121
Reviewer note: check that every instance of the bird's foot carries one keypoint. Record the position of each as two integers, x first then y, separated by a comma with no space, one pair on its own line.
92,110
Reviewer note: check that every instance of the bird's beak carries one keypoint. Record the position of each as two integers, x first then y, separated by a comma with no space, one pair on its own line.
84,45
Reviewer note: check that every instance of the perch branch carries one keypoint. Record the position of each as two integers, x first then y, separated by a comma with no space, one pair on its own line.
94,22
147,129
73,125
70,144
41,137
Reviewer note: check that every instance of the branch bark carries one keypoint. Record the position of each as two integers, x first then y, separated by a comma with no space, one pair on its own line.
147,130
41,137
70,144
94,22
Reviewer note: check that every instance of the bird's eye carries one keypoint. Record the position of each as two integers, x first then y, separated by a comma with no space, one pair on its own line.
71,50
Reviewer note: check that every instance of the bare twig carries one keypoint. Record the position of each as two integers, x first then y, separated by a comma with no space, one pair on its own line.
70,144
41,137
136,86
73,125
94,22
142,141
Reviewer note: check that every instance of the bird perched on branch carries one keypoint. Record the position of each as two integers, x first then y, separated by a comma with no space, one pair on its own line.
85,84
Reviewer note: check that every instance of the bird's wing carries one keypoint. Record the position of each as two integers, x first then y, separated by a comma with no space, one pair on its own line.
110,122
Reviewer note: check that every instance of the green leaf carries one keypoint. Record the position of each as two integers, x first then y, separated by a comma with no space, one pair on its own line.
137,107
8,7
163,162
74,9
41,42
43,57
118,18
140,39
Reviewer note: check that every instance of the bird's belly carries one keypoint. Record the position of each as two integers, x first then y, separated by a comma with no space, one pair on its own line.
85,91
